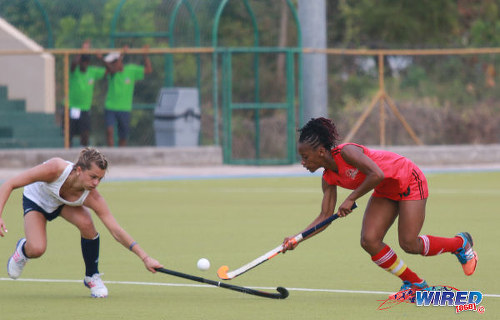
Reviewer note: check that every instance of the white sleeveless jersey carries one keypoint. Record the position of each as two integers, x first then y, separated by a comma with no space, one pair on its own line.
46,195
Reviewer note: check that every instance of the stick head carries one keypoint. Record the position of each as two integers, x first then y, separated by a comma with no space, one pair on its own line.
283,291
222,272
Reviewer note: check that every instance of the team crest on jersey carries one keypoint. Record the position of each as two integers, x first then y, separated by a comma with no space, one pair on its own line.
352,173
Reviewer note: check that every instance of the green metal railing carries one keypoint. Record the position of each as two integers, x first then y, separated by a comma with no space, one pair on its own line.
229,106
50,36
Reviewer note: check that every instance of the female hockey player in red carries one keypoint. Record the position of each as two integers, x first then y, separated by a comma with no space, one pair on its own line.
399,190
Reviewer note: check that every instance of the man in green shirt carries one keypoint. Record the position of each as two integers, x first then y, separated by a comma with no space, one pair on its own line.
121,81
82,80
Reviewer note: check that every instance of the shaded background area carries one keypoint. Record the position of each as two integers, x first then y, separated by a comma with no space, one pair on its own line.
447,99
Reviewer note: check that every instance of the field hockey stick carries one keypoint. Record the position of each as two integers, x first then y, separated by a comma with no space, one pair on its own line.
225,274
283,292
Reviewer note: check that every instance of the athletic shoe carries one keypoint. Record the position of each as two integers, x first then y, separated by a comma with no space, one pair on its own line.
407,291
466,256
96,286
17,261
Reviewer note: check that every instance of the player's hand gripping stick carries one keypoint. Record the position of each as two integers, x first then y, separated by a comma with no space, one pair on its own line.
225,274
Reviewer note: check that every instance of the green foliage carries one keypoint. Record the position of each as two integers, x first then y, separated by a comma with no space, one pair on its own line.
454,81
398,23
356,86
485,32
185,76
142,133
415,76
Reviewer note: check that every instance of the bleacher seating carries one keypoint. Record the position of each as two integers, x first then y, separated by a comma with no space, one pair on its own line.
21,129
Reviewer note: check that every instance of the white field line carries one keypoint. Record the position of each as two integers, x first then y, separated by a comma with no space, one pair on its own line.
210,286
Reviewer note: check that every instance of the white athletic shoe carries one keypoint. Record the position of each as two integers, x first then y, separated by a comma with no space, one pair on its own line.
96,286
17,261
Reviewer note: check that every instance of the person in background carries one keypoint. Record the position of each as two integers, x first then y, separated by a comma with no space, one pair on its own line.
62,188
121,82
82,81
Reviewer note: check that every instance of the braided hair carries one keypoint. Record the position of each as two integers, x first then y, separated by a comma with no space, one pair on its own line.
319,132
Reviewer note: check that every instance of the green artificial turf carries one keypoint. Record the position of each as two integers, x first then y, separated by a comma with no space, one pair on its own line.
233,221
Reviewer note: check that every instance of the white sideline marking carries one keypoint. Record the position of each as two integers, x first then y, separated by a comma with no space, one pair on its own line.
211,286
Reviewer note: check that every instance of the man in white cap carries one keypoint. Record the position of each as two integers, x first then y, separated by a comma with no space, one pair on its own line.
121,81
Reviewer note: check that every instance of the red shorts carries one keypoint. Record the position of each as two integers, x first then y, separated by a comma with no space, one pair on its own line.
417,188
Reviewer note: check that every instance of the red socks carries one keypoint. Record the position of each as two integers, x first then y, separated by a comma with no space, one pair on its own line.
437,245
388,260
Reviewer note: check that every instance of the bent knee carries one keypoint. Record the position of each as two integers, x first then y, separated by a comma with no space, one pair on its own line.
34,250
87,229
410,246
370,244
87,226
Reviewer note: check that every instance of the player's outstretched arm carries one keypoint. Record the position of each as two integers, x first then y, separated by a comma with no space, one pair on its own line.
97,203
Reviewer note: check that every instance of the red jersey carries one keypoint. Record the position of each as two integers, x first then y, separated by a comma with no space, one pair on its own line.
402,178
